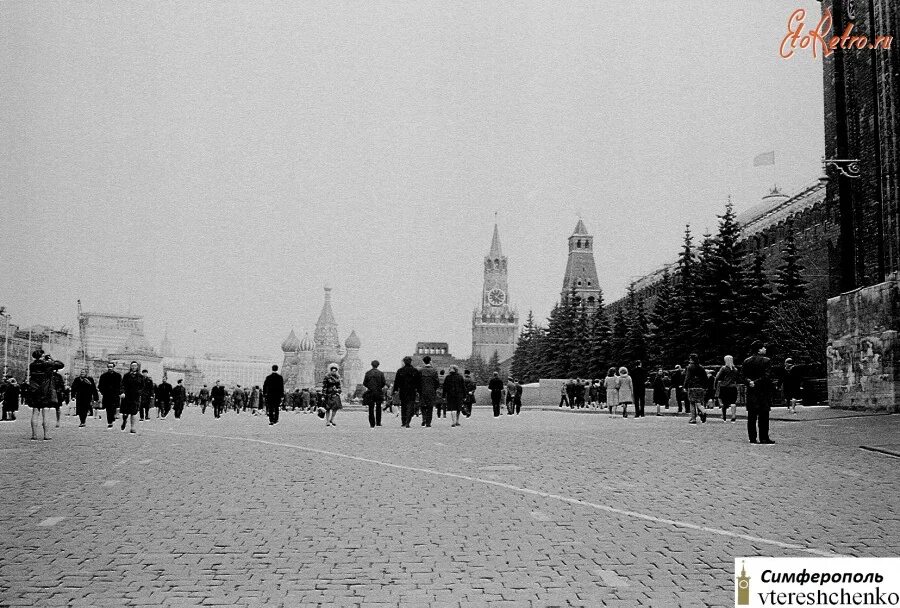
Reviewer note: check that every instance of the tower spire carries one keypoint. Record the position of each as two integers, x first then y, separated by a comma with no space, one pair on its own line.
495,251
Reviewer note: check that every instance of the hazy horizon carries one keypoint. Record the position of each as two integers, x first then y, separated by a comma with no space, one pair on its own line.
212,166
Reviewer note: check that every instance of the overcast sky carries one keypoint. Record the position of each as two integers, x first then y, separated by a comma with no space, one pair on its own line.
211,165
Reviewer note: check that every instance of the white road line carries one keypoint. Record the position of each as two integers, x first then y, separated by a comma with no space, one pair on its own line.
145,461
51,521
110,483
549,495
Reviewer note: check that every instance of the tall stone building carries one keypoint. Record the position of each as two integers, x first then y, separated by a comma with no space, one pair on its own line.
495,326
862,160
351,364
581,272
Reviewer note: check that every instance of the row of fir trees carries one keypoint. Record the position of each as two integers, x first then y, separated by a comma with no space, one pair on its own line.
717,301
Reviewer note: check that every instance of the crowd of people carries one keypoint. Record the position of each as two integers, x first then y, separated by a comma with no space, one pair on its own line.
422,392
691,389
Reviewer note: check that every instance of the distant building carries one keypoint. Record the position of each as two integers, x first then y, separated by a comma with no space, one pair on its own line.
581,272
495,325
439,353
306,362
232,370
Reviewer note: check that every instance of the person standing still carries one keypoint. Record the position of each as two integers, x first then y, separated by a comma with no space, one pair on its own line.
471,386
428,390
273,393
756,370
407,384
517,399
625,390
85,392
495,385
110,387
41,389
639,379
374,382
727,379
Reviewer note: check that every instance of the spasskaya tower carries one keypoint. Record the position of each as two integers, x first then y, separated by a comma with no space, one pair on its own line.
495,326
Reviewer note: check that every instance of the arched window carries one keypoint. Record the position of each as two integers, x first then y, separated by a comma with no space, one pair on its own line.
578,244
591,300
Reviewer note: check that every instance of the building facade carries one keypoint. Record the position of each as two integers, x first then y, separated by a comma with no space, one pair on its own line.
581,272
862,160
495,325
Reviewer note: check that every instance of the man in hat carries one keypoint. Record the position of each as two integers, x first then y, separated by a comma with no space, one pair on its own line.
273,393
374,382
407,383
756,370
428,390
85,392
179,396
110,387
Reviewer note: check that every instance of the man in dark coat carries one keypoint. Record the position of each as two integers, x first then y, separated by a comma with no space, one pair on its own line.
164,397
132,388
273,393
428,390
218,394
495,385
407,383
179,396
639,382
203,397
469,401
756,369
148,389
11,393
85,392
374,382
110,387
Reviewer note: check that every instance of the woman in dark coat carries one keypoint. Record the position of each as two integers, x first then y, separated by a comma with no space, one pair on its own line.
132,387
331,388
661,390
455,392
42,390
11,395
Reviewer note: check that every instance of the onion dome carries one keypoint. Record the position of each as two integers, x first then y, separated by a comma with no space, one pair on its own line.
352,340
305,344
291,343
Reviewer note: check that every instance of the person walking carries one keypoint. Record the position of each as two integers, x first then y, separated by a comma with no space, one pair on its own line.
179,396
439,404
164,397
612,390
756,370
563,396
661,390
625,389
374,382
132,391
429,386
454,393
570,393
639,379
217,395
517,399
273,393
678,388
791,385
148,390
41,390
695,382
407,383
495,385
510,396
60,394
239,398
12,393
254,400
331,388
84,392
469,401
110,387
594,393
727,379
579,391
306,401
203,397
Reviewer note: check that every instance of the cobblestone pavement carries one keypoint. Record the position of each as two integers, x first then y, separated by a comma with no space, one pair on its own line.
543,509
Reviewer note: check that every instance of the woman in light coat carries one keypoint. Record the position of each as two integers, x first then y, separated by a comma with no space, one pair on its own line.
612,390
626,390
727,380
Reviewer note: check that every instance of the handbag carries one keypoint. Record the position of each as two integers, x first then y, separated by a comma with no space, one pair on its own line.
320,412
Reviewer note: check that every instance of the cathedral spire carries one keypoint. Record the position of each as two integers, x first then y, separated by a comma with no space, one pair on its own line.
495,251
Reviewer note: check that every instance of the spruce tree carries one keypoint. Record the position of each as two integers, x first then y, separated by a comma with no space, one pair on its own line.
664,319
789,282
600,337
754,303
685,300
635,341
582,343
619,334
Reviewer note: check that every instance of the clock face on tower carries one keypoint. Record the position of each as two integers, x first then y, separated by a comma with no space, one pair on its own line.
496,297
